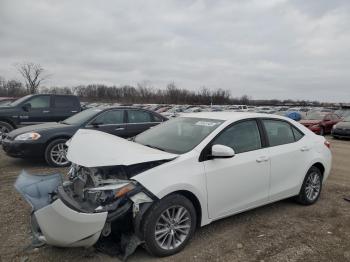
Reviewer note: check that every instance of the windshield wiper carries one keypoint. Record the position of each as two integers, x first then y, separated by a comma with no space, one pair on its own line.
154,147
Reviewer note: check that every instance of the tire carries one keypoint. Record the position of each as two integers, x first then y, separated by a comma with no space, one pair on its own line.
322,131
306,197
5,128
54,154
152,223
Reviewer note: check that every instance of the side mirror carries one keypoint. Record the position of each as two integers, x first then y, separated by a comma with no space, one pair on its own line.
96,124
221,151
27,107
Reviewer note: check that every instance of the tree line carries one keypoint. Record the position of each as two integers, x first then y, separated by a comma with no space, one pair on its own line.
33,76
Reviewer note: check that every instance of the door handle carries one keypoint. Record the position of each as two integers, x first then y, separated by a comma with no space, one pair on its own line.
262,159
119,128
304,148
46,111
74,111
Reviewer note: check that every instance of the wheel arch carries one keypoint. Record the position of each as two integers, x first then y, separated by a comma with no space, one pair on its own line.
55,138
8,121
320,166
194,200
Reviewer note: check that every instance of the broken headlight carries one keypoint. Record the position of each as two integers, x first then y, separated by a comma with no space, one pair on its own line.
107,194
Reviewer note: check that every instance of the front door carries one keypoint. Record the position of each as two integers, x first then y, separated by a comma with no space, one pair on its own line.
111,121
40,111
241,182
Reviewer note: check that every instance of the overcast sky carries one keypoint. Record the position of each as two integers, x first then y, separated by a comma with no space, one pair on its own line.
264,48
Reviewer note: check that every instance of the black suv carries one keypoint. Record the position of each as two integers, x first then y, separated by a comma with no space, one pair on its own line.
36,109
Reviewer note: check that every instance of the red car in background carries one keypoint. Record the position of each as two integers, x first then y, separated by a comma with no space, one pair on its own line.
320,123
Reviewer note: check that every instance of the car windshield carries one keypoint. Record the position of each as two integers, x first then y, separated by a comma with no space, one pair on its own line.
347,119
81,117
179,135
315,116
20,100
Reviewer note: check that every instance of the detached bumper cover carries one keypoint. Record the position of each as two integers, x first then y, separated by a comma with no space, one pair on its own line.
53,222
65,227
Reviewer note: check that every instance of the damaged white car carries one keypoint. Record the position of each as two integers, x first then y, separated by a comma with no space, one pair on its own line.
182,174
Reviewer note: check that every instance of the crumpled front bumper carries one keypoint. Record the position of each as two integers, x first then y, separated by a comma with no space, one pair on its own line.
53,222
65,227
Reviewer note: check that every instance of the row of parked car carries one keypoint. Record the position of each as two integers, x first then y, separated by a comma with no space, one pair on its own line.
48,121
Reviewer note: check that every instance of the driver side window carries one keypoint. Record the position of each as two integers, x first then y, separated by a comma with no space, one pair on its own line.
39,102
241,137
112,117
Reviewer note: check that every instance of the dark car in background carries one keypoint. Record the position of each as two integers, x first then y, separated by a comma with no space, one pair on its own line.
320,123
4,101
49,140
36,109
342,129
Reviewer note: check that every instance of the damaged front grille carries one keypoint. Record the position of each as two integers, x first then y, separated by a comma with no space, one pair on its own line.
104,188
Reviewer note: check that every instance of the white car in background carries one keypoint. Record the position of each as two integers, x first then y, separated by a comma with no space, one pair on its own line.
184,173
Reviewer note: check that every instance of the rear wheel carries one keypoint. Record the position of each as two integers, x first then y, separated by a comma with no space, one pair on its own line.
169,225
5,128
311,189
55,153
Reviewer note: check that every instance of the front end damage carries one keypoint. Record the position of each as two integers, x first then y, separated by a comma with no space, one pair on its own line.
99,206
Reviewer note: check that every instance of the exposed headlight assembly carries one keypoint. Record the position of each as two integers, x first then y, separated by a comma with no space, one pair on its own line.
31,136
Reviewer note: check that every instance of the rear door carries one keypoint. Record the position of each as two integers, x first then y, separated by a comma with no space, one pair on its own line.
288,153
111,121
139,120
40,111
64,107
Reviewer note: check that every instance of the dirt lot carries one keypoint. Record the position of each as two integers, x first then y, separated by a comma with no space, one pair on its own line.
284,231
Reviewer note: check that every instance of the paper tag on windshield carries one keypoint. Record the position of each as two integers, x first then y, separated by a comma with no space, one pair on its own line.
204,123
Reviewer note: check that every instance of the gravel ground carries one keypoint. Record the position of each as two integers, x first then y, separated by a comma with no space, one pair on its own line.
283,231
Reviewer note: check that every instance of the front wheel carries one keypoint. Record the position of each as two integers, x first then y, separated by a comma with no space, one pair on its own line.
311,189
5,128
55,153
169,225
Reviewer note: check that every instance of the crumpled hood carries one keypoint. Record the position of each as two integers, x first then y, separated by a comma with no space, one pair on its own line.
90,148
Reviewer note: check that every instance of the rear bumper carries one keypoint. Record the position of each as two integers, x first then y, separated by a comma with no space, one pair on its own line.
342,133
23,149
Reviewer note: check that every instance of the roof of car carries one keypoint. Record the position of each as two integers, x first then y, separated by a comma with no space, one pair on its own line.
230,115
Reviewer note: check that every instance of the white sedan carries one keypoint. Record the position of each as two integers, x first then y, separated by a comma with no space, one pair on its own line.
184,173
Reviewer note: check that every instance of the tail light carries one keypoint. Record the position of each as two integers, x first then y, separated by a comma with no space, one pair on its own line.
327,144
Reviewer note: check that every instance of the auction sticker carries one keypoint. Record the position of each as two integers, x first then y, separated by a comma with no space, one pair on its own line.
205,123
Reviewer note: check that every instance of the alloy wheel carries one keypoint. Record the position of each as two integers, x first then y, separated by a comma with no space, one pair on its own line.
173,227
313,186
58,154
3,132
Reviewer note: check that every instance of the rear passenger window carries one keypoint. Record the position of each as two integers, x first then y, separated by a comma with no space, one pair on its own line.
278,132
297,134
241,137
136,116
65,101
112,117
157,118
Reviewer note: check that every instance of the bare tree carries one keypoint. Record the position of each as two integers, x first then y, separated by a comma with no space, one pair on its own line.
33,76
